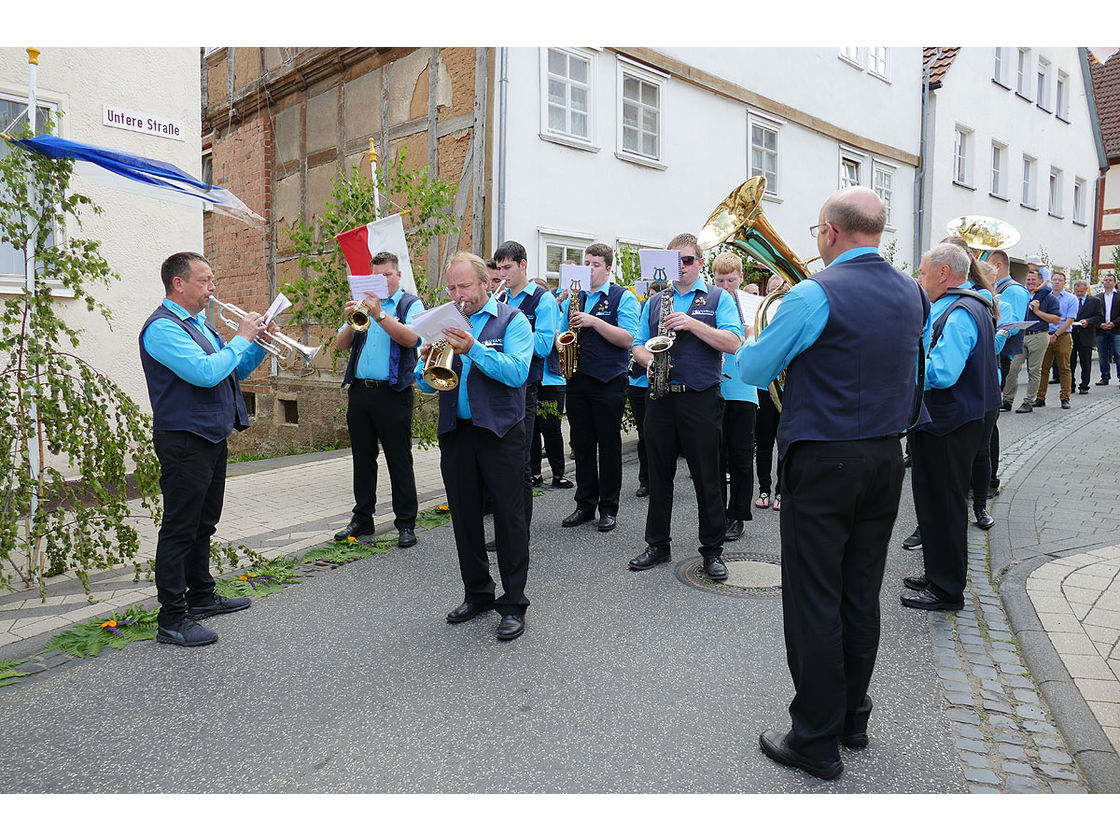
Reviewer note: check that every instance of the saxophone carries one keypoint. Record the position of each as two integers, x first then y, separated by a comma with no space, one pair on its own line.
568,341
659,345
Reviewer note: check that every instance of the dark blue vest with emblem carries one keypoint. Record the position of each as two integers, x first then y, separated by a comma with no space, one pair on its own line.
178,406
402,360
695,363
1014,344
976,391
858,379
598,358
494,405
528,305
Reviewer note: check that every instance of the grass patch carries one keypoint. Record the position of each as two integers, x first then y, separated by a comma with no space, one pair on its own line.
261,578
8,672
90,637
346,552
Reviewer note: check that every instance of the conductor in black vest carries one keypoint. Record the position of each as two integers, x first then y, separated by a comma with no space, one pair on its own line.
380,402
192,377
481,443
849,341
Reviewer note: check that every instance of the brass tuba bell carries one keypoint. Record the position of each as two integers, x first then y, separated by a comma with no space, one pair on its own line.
983,234
738,221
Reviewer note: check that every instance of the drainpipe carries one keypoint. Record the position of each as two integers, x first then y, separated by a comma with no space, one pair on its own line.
920,177
503,87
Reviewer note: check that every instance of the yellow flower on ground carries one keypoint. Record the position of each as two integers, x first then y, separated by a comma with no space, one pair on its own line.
110,623
351,539
243,577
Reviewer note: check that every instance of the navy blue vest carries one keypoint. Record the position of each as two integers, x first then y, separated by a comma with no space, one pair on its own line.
976,391
1014,344
402,360
528,306
598,358
695,363
494,405
178,406
858,379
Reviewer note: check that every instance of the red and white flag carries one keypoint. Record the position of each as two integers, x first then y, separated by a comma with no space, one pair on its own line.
360,244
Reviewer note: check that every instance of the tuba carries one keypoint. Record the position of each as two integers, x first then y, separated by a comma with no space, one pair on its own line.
983,234
739,222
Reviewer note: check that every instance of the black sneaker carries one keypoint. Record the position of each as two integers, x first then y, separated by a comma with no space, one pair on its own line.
185,632
914,541
217,606
1065,403
1039,403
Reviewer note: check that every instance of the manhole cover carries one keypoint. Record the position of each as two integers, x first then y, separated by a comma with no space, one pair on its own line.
747,575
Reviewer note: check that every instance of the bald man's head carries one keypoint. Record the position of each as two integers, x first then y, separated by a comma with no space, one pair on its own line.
856,210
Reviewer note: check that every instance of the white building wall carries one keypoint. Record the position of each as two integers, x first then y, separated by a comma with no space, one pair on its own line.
970,99
136,233
590,193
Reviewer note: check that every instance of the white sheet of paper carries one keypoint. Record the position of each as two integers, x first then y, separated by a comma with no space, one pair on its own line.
749,304
363,284
1018,325
568,273
279,305
660,265
431,323
641,288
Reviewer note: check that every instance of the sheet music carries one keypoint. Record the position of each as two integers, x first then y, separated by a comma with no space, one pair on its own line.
361,284
431,323
568,273
749,304
279,305
659,265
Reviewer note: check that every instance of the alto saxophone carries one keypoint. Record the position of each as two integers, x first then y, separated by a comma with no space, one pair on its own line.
659,345
568,341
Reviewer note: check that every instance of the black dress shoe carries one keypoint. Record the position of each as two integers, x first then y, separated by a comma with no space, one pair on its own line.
562,483
1065,403
466,611
1039,403
775,745
1005,406
642,491
854,740
492,546
652,556
926,600
714,568
355,529
218,605
606,522
984,520
578,518
406,538
734,530
510,627
916,582
538,480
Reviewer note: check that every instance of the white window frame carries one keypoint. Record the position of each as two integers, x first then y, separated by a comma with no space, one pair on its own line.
1061,96
1054,200
881,167
963,149
999,66
1023,77
568,138
1042,88
648,76
875,57
562,239
852,55
997,181
1028,196
767,123
1079,201
852,156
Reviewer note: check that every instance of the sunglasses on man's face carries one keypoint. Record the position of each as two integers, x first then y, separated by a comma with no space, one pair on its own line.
688,260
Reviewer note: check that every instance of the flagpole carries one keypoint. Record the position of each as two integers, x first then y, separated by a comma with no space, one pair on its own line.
35,453
373,172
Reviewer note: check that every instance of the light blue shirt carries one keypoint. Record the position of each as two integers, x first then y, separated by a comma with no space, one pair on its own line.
628,310
798,323
173,347
945,361
547,321
643,380
731,386
1068,309
373,363
510,365
1013,302
727,313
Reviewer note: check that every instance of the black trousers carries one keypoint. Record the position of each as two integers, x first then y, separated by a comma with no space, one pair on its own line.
547,431
982,472
530,433
839,503
993,445
637,396
737,459
765,437
942,467
690,423
595,417
1081,356
474,460
192,478
382,418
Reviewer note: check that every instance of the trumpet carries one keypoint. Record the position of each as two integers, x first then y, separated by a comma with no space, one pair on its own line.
276,344
358,320
438,370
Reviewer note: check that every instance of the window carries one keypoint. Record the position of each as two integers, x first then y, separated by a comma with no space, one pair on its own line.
998,69
1079,201
1061,99
999,170
559,249
1042,94
1054,205
962,156
882,181
877,61
851,54
763,151
640,119
1028,182
1023,73
849,172
566,97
